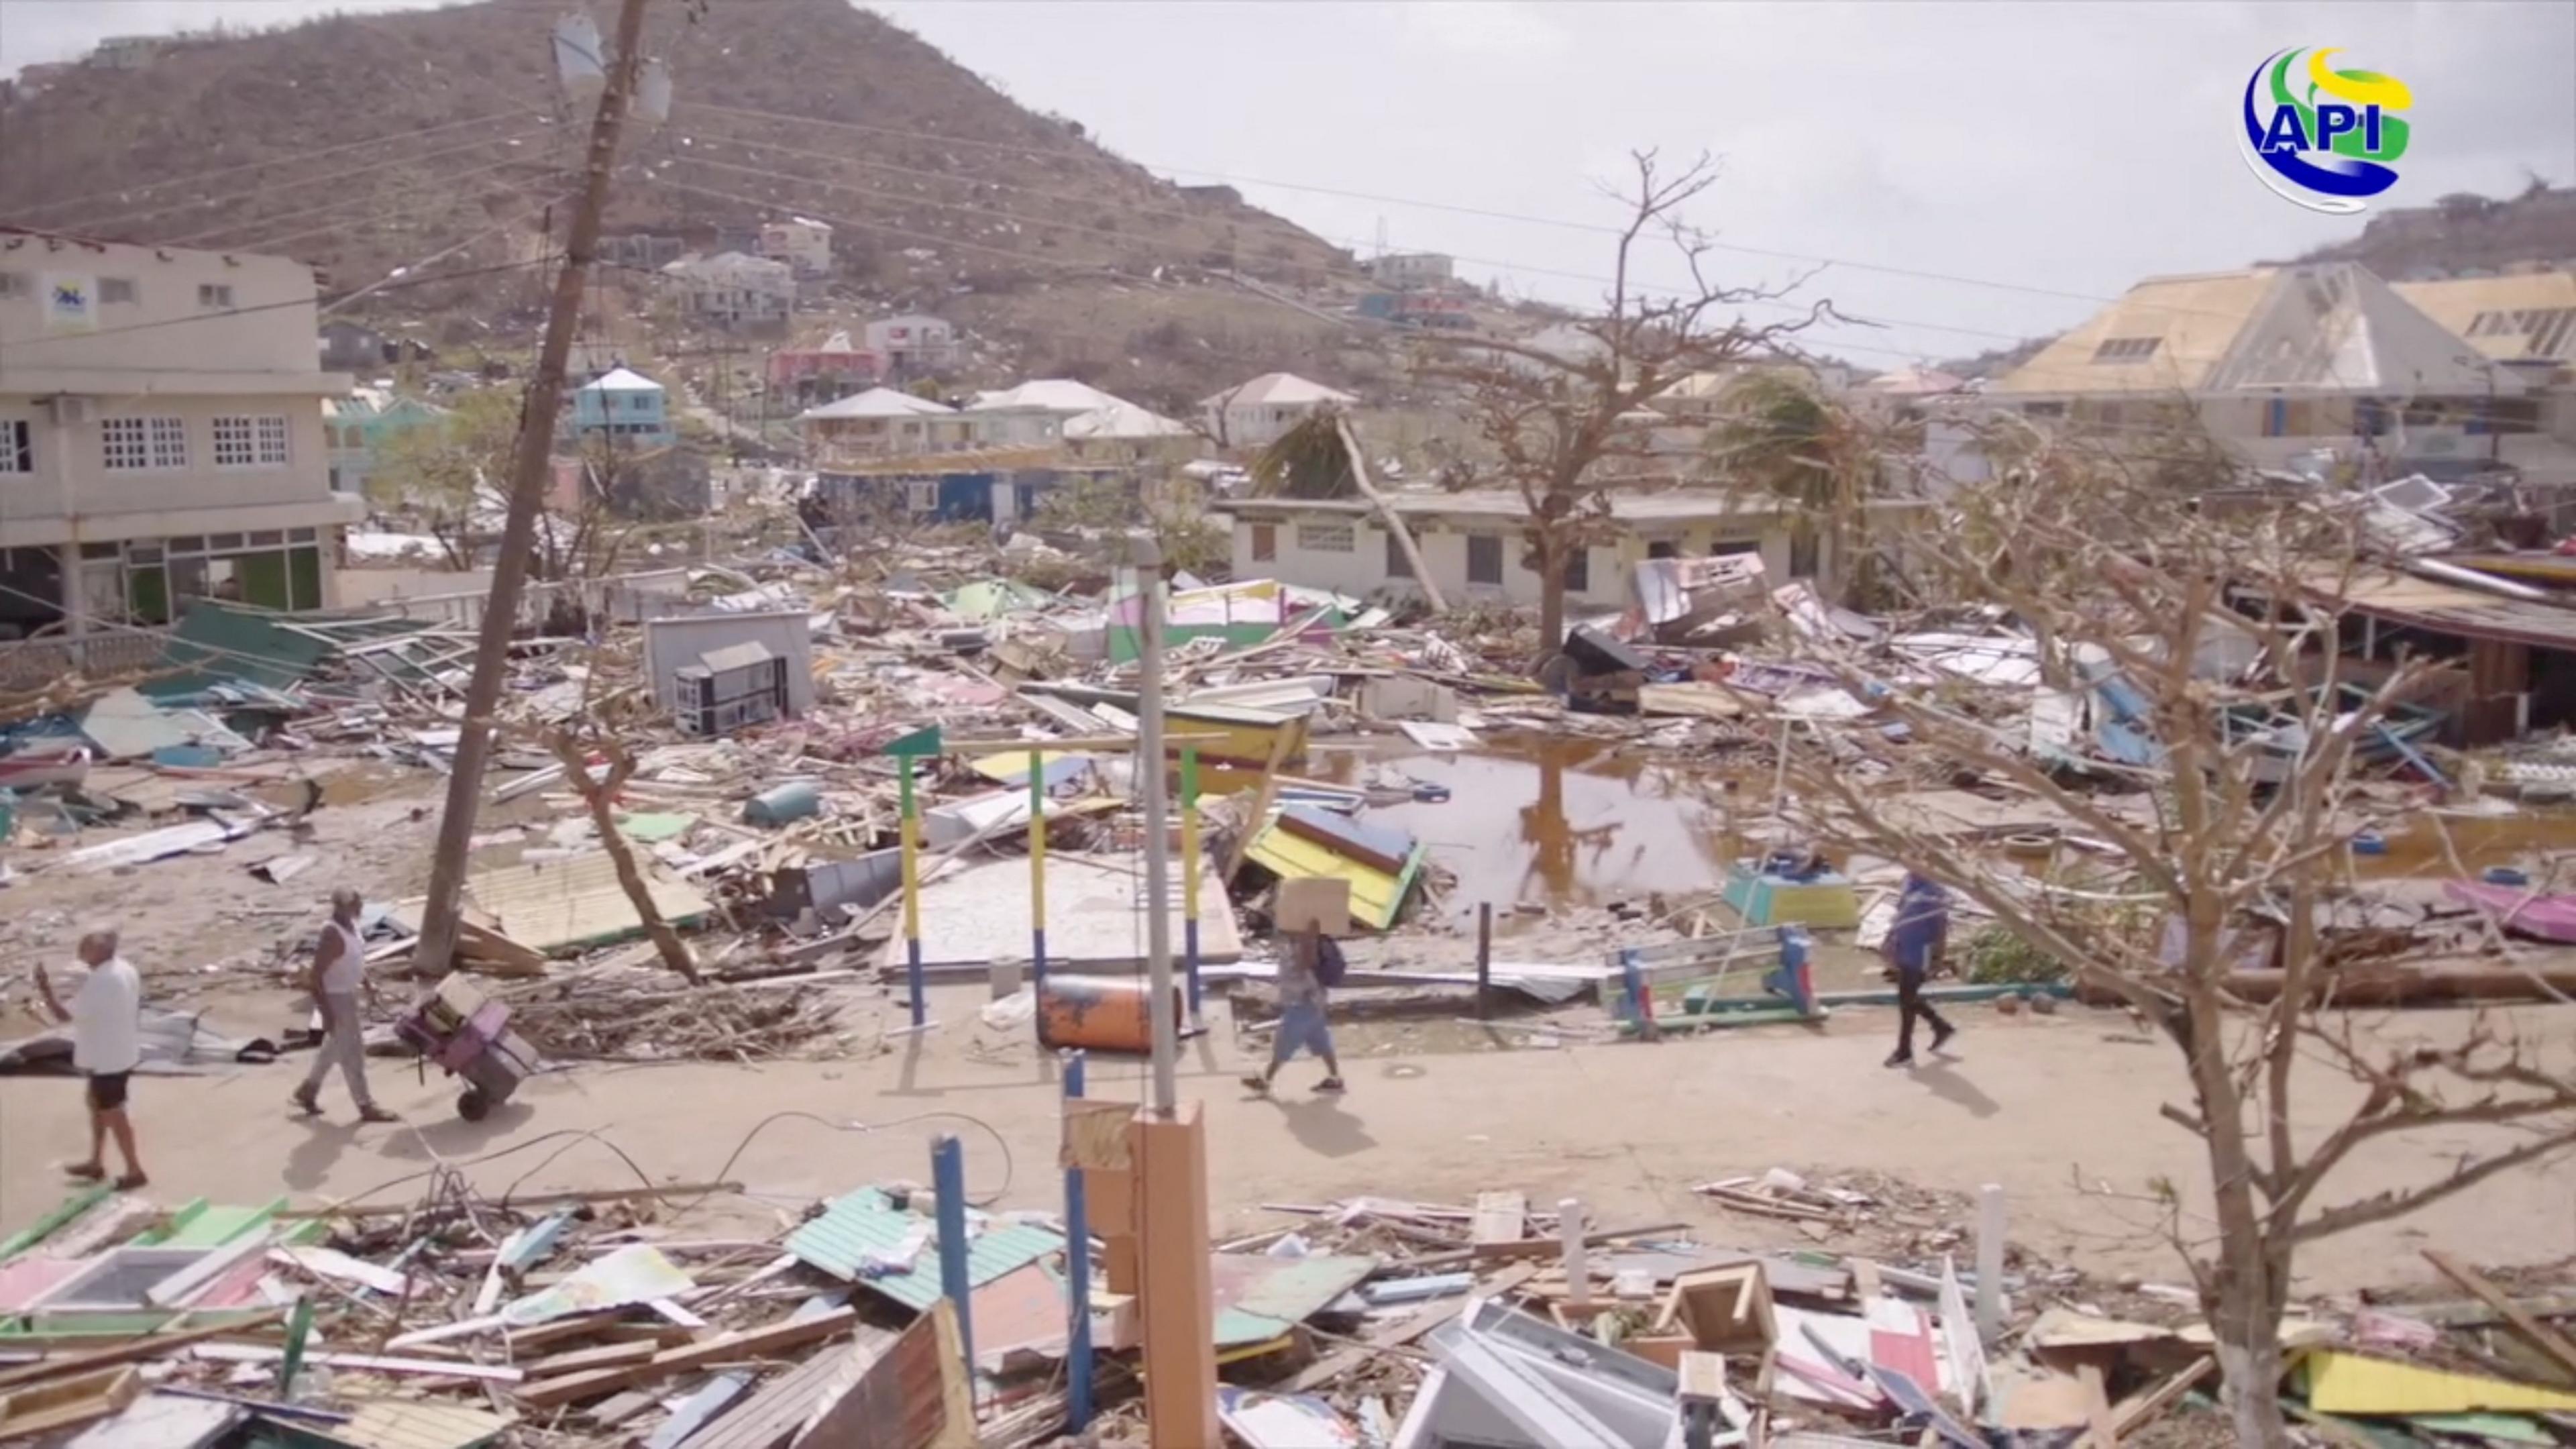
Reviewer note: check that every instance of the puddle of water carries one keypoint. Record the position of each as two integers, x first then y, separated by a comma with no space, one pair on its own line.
1550,821
2481,841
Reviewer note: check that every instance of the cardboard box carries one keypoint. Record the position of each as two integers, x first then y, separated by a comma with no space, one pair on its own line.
1320,901
1725,1311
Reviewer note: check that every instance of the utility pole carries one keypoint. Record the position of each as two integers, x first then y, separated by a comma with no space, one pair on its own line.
528,468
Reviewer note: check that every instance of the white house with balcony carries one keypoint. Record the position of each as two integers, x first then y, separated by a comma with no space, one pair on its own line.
161,435
2279,365
803,243
731,289
1256,413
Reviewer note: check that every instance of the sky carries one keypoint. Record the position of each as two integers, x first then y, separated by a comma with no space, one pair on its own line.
1960,175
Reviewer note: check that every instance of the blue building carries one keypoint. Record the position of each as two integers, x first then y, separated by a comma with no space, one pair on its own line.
624,405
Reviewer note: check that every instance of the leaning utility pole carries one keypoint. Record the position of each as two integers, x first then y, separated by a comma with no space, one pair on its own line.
436,948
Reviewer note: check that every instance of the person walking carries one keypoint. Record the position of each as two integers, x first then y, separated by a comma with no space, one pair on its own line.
106,1018
335,978
1314,966
1914,946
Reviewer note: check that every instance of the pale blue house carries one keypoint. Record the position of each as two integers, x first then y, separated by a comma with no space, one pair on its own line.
622,405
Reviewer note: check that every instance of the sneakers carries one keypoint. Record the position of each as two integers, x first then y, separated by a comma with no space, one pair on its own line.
1941,1039
305,1103
1899,1059
1331,1085
373,1113
1257,1085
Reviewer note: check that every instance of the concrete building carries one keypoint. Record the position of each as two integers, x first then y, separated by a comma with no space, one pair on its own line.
2284,365
825,372
804,244
1413,269
730,289
357,426
914,345
883,423
160,434
624,406
1472,543
1254,414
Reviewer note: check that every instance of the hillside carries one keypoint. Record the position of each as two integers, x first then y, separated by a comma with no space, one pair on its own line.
363,143
2464,234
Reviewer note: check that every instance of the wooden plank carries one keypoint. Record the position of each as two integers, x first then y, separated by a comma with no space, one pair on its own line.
573,1388
2540,1335
1426,1318
2097,1406
2143,1408
66,1402
129,1351
1540,1247
772,1415
583,1360
1501,1217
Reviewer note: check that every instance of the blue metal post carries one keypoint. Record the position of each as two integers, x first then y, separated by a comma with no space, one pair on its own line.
948,1178
1077,1277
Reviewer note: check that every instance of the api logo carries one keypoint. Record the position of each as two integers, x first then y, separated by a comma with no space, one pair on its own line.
2320,137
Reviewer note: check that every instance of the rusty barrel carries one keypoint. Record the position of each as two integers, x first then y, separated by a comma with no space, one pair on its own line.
1100,1013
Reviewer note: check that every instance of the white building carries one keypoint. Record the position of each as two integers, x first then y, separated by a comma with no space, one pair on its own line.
914,345
1254,414
884,423
1412,269
1472,543
1034,413
731,289
160,434
803,243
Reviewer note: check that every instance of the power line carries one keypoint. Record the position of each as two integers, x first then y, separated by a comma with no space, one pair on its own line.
1486,213
125,218
1193,216
300,158
375,197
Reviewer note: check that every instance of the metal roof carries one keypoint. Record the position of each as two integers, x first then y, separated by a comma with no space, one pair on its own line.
2449,609
867,1221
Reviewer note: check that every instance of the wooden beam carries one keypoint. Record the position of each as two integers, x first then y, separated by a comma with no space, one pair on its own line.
2540,1335
573,1388
150,1346
2141,1409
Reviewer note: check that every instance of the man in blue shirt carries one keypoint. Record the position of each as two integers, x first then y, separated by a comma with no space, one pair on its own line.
1914,944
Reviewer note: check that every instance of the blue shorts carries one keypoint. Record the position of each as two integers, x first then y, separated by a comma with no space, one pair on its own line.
1301,1027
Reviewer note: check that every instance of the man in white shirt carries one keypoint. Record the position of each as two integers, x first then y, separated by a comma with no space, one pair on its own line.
107,1044
338,972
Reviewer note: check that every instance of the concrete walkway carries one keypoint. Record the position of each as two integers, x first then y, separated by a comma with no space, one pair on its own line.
2053,1109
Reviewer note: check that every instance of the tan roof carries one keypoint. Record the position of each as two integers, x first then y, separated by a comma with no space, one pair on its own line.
2326,327
2507,318
2194,318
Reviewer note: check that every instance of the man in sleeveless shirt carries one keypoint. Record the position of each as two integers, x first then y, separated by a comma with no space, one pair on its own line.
335,977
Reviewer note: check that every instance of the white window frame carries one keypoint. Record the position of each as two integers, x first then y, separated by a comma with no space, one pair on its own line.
17,447
1327,536
274,437
215,296
154,444
254,441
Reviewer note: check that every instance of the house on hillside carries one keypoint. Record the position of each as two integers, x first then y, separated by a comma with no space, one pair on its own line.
160,436
804,244
2281,364
643,250
623,407
357,426
1472,543
1122,432
733,290
883,423
1413,269
1033,414
347,346
825,372
1254,414
914,345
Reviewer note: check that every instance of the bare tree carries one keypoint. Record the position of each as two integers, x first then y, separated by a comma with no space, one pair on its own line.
2234,808
1561,421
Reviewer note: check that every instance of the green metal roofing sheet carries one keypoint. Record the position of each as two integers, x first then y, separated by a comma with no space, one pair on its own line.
867,1221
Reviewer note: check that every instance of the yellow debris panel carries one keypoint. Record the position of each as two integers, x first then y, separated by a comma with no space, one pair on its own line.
1374,894
2348,1383
555,905
391,1424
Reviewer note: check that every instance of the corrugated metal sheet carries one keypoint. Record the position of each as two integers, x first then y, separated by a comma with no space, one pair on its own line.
555,905
1375,895
866,1222
1259,1297
2348,1383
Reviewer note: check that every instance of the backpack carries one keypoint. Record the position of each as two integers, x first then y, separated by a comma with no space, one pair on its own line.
1330,968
